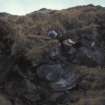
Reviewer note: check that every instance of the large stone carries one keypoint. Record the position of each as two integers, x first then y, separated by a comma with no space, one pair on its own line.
59,78
54,52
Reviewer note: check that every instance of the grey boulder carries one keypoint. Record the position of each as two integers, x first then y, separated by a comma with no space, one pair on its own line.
58,77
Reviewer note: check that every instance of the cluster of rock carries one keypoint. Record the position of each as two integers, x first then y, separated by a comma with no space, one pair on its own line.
87,51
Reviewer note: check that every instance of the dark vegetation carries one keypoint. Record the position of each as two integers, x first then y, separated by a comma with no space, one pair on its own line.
34,70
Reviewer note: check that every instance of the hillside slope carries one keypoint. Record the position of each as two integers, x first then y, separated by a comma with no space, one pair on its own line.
36,70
